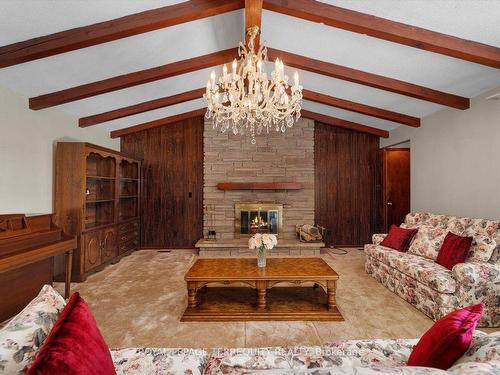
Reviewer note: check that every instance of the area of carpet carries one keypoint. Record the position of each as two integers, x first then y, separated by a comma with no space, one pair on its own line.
138,302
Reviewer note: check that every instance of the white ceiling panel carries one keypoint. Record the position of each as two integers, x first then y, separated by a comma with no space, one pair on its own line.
350,116
153,115
377,56
476,20
26,19
126,55
138,94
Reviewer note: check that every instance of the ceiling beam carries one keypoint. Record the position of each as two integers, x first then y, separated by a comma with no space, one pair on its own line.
118,28
141,107
198,93
369,79
253,17
156,123
132,79
385,29
334,121
361,108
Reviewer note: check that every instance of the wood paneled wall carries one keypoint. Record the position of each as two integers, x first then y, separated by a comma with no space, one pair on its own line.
172,203
348,193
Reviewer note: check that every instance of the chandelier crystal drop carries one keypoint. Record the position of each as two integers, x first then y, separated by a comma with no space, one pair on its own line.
246,101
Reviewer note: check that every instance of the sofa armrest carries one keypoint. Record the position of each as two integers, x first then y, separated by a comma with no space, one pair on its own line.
476,273
378,238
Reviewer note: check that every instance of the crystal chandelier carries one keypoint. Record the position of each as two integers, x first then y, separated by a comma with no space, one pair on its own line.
246,101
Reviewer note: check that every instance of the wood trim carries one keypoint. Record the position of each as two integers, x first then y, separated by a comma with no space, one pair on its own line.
198,93
259,186
155,123
114,29
385,29
329,120
361,108
253,17
369,79
141,107
132,79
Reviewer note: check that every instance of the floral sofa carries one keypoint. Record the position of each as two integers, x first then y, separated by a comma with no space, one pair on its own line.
432,288
22,337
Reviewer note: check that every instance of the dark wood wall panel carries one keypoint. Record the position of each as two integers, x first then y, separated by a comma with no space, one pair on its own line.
172,204
348,192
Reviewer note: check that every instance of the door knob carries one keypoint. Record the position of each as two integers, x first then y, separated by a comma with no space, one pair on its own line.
389,203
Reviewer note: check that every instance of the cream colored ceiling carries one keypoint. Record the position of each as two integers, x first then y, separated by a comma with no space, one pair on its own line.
470,19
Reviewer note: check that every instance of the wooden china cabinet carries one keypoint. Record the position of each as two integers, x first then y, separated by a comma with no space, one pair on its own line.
96,197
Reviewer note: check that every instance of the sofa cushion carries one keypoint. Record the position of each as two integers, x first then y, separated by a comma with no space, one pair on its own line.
75,345
485,234
399,238
454,250
428,241
140,361
421,269
447,340
22,337
475,368
484,348
333,357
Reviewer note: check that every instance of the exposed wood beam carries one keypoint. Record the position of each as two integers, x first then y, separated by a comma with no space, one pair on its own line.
118,28
198,93
344,123
141,107
382,28
253,17
361,108
369,79
155,123
132,79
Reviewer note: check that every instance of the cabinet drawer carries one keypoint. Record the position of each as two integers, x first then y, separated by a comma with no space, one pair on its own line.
130,245
125,237
129,227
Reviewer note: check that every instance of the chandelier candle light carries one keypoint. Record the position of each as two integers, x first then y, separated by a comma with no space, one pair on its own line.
246,101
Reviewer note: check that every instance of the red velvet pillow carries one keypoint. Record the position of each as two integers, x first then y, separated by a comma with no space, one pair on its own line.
399,238
74,346
453,250
447,340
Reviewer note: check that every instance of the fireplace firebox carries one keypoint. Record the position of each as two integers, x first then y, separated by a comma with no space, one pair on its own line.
254,218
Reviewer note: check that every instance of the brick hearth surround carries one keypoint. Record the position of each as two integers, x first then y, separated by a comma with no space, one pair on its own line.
275,157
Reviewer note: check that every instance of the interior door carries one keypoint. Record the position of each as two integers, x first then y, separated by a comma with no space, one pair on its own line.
396,183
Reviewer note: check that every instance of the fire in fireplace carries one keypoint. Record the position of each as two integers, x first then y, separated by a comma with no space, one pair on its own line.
254,218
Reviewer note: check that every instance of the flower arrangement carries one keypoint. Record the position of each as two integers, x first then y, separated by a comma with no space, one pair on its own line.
262,242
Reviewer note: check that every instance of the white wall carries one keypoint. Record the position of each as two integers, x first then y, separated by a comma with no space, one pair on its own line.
455,160
27,140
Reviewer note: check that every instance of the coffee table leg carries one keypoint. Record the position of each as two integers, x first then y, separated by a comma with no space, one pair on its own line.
332,286
262,297
192,295
261,293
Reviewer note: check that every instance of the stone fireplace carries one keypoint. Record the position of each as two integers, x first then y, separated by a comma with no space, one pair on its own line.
277,157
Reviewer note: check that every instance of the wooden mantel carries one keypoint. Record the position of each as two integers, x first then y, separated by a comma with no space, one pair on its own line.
259,186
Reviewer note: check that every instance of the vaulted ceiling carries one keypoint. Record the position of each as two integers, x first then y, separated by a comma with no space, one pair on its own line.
355,68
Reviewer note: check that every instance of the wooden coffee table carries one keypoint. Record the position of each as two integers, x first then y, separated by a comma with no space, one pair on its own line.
281,293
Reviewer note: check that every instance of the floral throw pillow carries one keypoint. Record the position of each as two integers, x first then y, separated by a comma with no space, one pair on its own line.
428,241
22,337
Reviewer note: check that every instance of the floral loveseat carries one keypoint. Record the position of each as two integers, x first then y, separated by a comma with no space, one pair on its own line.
432,288
22,337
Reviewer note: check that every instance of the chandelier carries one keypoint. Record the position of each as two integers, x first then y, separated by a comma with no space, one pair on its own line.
246,100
